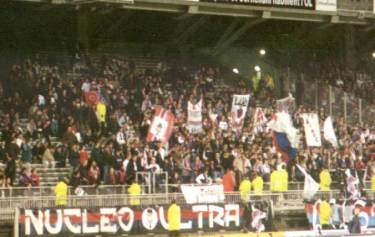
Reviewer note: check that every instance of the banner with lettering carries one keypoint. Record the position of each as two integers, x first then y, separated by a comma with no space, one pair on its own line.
312,129
194,122
136,220
213,193
238,112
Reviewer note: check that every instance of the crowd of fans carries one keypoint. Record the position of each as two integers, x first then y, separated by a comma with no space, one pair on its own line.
106,143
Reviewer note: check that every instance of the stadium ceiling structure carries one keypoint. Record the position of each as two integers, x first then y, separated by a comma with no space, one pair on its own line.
207,7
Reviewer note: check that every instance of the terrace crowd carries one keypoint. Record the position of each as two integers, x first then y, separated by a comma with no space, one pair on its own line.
106,143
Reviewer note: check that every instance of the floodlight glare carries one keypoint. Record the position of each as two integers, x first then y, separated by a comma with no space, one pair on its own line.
257,68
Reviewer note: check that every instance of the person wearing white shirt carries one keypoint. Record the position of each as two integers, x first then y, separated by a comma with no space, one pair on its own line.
203,178
120,137
41,100
125,163
86,86
153,166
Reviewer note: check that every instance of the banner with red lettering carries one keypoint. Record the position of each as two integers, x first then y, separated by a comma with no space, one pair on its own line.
162,126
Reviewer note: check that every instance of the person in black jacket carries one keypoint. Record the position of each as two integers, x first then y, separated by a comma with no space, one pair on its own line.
10,169
133,167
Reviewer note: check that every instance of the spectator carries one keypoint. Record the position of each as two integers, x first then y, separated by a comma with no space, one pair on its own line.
174,219
245,189
94,174
10,169
203,178
83,155
47,158
229,181
25,179
27,152
35,178
257,183
325,179
61,192
134,191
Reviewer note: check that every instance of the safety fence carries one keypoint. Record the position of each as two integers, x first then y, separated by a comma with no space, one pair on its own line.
42,191
337,103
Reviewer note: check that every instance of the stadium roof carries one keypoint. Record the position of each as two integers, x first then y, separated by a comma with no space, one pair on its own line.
343,15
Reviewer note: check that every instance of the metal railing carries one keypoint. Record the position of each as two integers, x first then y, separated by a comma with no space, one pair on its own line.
41,191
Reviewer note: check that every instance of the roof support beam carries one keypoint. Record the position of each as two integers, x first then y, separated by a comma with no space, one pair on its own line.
237,34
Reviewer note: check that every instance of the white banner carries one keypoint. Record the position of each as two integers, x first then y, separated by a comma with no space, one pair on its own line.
326,5
260,121
329,132
238,112
203,194
194,122
312,129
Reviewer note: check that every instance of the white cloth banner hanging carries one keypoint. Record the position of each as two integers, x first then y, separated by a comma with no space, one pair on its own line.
260,121
329,132
194,123
312,129
238,112
203,193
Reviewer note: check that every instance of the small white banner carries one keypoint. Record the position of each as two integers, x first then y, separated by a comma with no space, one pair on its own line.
194,123
203,193
312,129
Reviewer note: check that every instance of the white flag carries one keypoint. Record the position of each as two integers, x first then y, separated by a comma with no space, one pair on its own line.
312,129
282,123
329,133
310,186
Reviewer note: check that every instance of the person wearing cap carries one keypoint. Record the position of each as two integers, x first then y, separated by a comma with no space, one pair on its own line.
325,179
134,191
61,192
174,219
